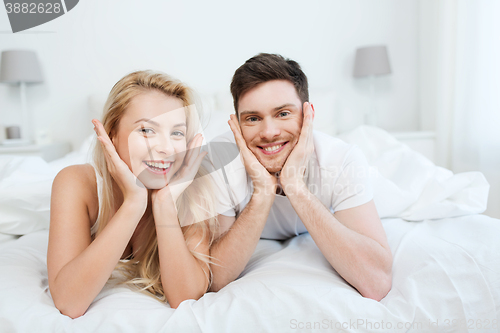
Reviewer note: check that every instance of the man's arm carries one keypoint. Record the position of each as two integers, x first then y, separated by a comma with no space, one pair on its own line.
352,240
233,250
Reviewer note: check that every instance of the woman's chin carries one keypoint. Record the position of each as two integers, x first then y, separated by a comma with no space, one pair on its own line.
156,185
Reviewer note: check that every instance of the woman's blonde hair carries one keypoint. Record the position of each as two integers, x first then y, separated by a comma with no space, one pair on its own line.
195,204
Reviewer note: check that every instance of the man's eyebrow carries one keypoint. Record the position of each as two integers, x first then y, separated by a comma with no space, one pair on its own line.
286,105
243,113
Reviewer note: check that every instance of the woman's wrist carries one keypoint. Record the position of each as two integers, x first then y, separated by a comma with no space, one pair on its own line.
166,216
163,204
138,204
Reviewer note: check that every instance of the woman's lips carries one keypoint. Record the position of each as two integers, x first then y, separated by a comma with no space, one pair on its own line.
265,152
158,171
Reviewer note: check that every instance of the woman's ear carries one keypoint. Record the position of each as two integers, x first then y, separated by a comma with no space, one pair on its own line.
112,137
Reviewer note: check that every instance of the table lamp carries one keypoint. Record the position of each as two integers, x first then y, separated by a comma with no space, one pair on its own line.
21,67
371,61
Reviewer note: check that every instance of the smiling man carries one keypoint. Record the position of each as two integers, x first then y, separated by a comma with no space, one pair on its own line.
291,180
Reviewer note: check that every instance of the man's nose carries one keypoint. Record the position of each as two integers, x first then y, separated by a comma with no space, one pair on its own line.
269,130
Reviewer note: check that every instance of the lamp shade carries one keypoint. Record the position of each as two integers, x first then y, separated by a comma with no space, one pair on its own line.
371,60
20,66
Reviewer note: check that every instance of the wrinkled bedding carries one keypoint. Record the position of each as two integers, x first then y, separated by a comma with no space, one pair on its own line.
446,271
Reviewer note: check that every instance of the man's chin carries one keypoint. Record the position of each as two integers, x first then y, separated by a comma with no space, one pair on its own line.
272,169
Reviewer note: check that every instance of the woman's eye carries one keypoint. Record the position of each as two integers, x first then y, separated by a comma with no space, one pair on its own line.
178,133
146,131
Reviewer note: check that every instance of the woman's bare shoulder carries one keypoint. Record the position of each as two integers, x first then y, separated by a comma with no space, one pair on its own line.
80,178
81,174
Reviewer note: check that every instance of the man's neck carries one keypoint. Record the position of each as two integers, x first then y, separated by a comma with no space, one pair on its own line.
279,188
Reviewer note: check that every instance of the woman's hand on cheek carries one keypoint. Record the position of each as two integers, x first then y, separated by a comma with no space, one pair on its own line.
131,187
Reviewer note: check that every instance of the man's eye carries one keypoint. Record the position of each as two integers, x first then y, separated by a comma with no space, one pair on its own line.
283,114
252,119
146,131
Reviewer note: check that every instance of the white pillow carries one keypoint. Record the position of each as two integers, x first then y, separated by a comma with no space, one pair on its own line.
81,156
409,186
25,186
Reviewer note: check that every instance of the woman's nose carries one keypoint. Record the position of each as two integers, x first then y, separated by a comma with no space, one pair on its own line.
164,146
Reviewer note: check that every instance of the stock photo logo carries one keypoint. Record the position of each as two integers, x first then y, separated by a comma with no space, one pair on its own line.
26,14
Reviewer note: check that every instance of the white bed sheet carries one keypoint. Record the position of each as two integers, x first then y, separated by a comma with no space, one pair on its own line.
445,271
6,239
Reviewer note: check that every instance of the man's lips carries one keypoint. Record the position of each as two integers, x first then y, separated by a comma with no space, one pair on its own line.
272,148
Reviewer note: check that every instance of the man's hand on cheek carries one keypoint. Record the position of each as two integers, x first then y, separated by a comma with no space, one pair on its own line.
292,174
263,182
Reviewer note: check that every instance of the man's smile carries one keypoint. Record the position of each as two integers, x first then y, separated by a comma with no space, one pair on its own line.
273,148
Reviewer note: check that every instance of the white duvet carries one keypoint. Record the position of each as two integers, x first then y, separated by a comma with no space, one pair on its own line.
446,279
446,272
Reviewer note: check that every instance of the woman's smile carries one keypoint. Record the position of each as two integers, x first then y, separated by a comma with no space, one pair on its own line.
158,168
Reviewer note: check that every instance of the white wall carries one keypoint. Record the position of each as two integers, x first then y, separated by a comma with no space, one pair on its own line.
437,63
203,42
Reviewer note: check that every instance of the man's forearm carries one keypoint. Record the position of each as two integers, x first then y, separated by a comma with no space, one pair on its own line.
233,250
359,259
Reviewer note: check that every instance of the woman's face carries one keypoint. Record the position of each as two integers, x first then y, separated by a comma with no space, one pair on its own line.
151,138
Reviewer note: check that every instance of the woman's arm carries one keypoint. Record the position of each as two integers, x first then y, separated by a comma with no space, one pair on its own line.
77,268
182,275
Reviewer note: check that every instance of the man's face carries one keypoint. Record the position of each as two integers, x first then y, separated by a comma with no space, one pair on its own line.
270,118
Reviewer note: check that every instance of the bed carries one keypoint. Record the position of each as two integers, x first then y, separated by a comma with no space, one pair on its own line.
446,272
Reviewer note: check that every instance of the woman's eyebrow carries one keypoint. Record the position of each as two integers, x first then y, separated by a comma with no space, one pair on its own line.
148,121
180,125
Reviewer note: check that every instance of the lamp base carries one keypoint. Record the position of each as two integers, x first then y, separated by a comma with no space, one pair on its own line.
15,142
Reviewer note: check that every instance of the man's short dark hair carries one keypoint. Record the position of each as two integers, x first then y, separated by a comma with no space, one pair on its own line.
266,67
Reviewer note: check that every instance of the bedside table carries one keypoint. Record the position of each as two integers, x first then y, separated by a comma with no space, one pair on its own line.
48,152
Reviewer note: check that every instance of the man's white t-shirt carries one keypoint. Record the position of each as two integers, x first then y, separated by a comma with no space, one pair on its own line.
338,175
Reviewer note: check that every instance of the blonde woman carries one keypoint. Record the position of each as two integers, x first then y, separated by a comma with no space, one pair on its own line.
137,208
